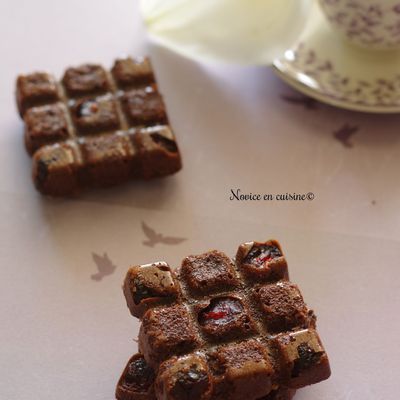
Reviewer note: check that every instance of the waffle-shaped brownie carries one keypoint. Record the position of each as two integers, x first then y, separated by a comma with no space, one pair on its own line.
115,121
213,330
137,383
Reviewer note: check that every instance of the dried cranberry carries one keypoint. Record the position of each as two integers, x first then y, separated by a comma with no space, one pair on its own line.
168,144
221,311
139,375
307,358
259,255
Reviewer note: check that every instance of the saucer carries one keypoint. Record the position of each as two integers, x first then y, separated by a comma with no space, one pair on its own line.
326,67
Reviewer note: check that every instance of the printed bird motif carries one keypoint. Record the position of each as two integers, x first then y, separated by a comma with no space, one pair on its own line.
307,102
344,133
155,238
104,266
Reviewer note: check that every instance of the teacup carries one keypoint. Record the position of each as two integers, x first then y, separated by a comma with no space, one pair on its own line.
372,24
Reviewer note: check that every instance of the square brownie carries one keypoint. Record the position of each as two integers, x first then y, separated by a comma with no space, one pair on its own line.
95,115
144,106
224,318
87,79
35,89
109,159
137,380
90,101
262,261
283,307
130,72
225,335
149,285
303,358
45,125
237,365
166,331
186,377
55,168
159,151
209,273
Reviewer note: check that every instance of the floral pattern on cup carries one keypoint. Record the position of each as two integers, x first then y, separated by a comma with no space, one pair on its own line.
379,92
372,24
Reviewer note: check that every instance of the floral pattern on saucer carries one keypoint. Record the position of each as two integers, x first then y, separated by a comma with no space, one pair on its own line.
380,92
373,24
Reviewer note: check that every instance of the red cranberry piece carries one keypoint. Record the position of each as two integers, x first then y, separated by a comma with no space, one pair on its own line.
259,255
221,311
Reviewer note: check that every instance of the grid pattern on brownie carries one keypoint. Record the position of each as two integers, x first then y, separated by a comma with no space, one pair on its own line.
137,383
120,111
221,317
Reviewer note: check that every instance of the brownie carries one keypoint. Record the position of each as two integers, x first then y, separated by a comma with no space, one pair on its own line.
95,115
212,331
55,168
184,378
165,332
137,380
130,72
45,125
262,261
85,79
283,307
236,365
302,357
225,317
116,121
158,151
108,160
210,272
35,89
190,380
144,106
149,285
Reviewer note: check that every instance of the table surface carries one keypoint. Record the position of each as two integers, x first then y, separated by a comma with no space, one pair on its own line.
241,128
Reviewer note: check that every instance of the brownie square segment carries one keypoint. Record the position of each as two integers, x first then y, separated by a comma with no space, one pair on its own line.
158,150
137,381
55,169
85,80
144,106
209,272
166,332
35,89
149,285
45,125
262,261
283,307
224,318
133,72
242,371
304,360
184,378
95,115
109,159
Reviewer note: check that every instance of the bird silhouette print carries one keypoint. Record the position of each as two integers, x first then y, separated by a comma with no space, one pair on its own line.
344,133
307,102
104,266
154,238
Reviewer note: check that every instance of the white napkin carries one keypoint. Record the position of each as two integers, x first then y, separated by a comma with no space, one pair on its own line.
235,31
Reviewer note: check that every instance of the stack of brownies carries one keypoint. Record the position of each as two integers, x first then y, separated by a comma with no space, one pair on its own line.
221,329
